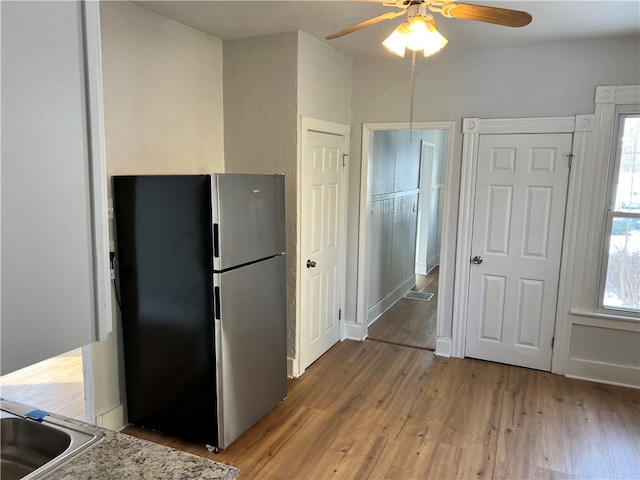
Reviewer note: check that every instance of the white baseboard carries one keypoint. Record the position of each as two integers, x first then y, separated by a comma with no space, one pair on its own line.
354,331
292,368
350,331
387,302
431,268
607,373
432,263
114,419
443,347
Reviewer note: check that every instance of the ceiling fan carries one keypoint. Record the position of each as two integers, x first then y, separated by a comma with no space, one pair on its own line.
420,20
419,32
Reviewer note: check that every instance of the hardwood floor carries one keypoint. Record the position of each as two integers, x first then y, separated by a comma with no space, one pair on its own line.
410,322
54,385
369,410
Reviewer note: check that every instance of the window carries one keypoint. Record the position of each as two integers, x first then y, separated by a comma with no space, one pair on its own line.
620,269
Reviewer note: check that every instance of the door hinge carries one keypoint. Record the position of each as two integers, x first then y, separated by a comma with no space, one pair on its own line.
553,341
339,314
344,159
570,156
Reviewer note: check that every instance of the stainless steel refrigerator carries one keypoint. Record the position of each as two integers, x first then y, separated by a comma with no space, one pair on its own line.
202,291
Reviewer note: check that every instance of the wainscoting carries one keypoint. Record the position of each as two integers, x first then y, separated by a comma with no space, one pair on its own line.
392,249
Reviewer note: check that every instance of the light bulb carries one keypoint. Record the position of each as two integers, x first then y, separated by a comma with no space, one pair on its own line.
396,41
419,33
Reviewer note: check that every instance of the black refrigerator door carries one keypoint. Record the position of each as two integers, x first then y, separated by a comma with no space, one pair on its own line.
164,243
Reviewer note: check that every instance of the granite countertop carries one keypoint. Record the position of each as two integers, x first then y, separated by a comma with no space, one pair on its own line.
118,456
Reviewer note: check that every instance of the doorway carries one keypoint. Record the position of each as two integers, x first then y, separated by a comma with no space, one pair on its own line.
412,320
55,385
390,202
519,207
548,158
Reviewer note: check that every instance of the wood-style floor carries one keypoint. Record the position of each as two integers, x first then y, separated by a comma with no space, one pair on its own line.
53,385
368,410
410,322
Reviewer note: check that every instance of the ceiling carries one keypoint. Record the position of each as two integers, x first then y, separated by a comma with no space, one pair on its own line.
553,22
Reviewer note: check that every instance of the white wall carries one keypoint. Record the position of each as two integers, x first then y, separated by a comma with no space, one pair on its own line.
324,81
552,80
163,114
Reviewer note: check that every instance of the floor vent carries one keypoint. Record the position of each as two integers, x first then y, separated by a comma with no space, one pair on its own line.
424,296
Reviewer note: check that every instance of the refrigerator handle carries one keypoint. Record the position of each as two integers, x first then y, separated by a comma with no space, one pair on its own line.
216,301
216,248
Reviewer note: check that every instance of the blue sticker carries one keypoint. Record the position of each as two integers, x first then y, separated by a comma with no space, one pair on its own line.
36,415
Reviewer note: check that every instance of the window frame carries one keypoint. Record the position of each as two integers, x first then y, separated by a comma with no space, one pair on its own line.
610,213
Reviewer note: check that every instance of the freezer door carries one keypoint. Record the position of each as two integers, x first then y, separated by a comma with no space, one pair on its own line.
250,344
248,218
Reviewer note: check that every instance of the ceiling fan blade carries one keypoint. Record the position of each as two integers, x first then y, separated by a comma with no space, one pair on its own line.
480,13
371,21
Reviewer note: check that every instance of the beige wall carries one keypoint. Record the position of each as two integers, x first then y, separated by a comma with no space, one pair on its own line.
271,81
162,94
542,81
552,80
260,107
163,114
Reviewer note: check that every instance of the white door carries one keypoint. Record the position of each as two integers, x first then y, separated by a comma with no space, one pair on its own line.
322,222
424,211
521,188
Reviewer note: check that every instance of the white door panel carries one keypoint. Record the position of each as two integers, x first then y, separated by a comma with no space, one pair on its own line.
321,250
519,211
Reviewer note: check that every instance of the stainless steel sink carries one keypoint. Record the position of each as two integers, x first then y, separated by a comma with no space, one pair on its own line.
31,448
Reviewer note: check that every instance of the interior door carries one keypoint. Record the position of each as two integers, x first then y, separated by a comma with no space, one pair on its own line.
424,212
322,222
521,188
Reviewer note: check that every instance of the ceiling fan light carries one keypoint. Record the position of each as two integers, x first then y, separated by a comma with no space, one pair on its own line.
436,44
427,37
396,41
436,40
419,33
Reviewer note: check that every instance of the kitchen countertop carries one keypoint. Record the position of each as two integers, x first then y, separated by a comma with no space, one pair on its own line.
118,456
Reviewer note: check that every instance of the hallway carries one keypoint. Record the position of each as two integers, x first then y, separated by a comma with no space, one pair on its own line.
411,322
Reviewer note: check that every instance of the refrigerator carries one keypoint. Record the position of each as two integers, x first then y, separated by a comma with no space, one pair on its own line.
201,275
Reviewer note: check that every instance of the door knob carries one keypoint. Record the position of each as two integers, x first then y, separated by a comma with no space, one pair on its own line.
477,260
311,264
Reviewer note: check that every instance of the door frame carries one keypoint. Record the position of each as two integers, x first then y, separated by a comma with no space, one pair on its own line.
424,202
580,126
308,124
359,329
